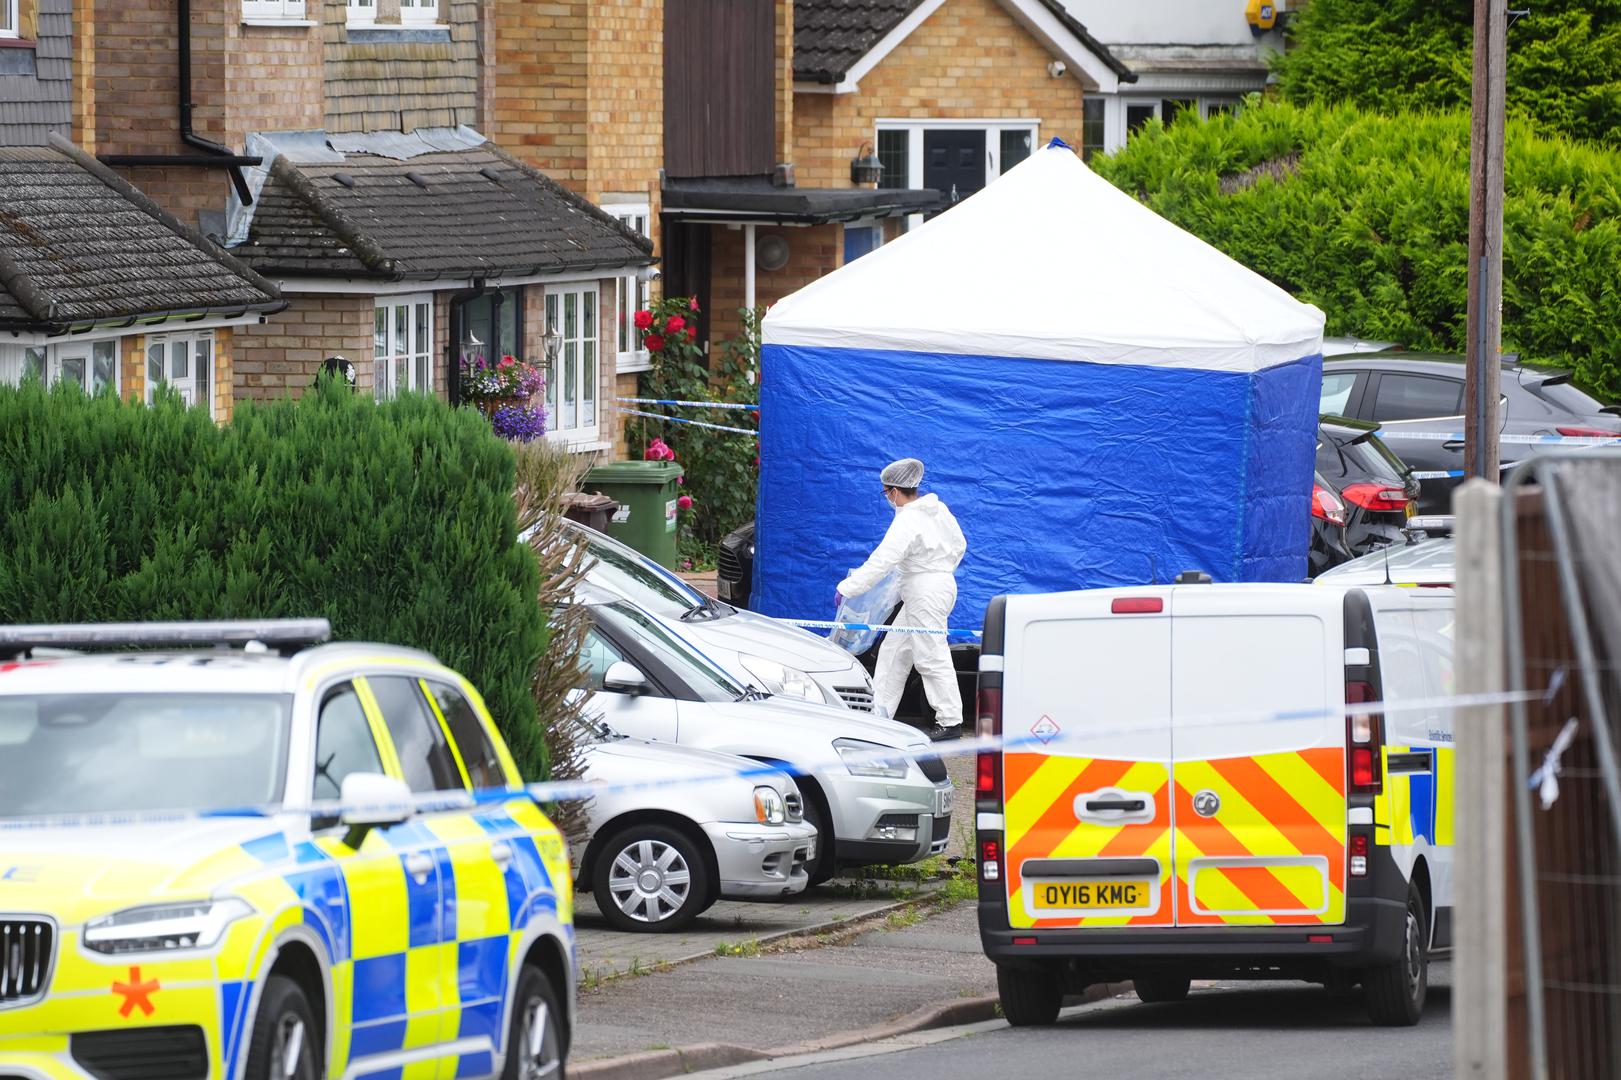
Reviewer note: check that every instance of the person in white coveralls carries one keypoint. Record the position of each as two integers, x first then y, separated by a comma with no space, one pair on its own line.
924,544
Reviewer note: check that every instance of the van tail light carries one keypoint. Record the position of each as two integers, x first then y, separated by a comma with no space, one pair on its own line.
1381,498
1587,433
1326,505
988,768
1364,741
990,860
1359,854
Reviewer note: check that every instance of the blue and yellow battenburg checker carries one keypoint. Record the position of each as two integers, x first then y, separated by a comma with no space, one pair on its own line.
418,932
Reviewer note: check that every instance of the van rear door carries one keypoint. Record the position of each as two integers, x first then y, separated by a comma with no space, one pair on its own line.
1258,755
1087,794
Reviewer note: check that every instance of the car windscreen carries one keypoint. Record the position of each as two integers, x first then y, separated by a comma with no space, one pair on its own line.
695,669
625,573
105,753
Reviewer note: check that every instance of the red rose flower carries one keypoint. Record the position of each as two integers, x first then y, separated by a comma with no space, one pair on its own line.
507,361
692,305
675,325
692,333
684,502
655,341
644,319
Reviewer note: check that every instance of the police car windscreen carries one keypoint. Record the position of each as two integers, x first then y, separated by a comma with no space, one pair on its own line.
92,753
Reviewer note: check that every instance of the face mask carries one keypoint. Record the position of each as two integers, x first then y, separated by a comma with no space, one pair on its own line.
892,507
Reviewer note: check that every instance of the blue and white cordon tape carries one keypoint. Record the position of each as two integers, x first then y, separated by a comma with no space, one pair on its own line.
694,423
825,624
1535,440
688,404
1048,741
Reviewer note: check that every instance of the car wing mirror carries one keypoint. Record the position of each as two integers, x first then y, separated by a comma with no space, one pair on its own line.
373,801
625,678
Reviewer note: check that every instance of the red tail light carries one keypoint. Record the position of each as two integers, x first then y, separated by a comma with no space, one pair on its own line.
990,860
988,770
1326,505
1587,433
1138,605
1379,497
1359,854
1364,740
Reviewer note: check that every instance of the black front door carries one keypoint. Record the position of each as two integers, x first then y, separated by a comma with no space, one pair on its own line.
954,162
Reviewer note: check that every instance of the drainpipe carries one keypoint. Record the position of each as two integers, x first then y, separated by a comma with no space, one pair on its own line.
214,156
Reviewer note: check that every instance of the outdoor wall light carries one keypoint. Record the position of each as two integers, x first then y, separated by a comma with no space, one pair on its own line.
865,168
554,343
1057,68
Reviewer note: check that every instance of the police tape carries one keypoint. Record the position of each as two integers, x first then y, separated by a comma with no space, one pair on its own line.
825,624
1045,736
694,423
1550,440
688,404
1436,474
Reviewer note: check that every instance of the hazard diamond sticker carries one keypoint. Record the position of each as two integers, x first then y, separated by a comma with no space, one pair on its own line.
1045,729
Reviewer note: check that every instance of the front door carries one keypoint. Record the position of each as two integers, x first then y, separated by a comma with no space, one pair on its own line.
954,162
1087,790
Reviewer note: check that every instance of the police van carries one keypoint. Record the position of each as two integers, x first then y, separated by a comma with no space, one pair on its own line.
1186,790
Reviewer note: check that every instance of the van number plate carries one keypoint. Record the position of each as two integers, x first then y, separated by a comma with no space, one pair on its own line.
1072,895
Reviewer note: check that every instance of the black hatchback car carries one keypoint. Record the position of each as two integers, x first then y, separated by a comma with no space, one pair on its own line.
1422,394
1372,489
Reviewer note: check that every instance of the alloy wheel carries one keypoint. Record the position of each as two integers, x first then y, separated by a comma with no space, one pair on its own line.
650,881
287,1048
538,1042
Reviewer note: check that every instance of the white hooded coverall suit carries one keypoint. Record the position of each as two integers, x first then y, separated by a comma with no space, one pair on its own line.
924,544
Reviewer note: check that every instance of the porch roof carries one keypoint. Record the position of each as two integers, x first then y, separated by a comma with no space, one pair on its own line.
756,199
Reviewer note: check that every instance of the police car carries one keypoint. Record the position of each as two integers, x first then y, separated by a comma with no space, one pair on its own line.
166,911
1193,793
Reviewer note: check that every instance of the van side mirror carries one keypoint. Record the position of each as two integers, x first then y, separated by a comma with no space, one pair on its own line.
372,801
625,678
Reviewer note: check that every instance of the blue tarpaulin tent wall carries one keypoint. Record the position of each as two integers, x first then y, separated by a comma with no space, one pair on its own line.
1100,397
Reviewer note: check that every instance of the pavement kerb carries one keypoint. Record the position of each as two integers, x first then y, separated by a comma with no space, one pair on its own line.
663,1064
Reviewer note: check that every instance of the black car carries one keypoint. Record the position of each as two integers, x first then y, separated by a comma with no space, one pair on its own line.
734,566
1422,394
1375,490
1328,546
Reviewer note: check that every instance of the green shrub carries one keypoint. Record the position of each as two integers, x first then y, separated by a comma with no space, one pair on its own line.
395,521
1367,216
1564,60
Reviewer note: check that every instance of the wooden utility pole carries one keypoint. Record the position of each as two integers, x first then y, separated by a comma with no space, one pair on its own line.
1485,306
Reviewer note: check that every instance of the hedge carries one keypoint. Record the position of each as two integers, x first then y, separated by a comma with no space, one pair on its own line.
1367,216
395,521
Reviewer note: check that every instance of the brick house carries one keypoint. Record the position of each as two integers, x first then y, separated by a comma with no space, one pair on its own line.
98,285
339,147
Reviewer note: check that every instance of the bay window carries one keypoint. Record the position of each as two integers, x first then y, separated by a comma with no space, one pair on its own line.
402,346
90,365
571,363
184,362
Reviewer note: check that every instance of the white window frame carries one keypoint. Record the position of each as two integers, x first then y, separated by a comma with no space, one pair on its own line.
580,350
631,292
415,347
275,11
362,12
420,12
187,385
993,128
10,19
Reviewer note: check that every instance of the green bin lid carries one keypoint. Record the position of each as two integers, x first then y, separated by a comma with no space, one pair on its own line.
634,472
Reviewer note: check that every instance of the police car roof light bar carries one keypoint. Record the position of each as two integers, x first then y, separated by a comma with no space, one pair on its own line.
286,636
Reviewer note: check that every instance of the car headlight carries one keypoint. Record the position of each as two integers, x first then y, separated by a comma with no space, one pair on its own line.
782,680
768,808
871,759
161,927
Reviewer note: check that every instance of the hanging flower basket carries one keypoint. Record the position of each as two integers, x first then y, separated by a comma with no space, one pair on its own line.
489,405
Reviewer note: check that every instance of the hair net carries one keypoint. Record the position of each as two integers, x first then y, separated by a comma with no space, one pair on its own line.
905,473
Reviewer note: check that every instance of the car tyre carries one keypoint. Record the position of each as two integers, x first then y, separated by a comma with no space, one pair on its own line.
285,1043
651,878
821,868
1155,989
1031,997
537,1045
1395,992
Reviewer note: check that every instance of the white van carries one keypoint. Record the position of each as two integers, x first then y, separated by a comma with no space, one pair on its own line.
1185,794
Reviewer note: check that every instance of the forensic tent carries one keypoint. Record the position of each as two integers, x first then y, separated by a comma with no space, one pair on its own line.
1100,397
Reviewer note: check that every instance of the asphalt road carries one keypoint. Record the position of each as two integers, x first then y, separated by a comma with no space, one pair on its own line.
1237,1031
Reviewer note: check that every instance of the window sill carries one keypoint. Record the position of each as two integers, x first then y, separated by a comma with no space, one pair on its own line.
631,363
279,22
17,43
584,444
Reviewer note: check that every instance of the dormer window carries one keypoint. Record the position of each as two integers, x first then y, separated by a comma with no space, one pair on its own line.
419,12
362,12
269,10
10,24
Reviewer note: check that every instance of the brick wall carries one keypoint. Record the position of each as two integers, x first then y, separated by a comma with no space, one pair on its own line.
784,61
286,352
969,59
132,370
84,72
625,99
273,79
812,252
541,60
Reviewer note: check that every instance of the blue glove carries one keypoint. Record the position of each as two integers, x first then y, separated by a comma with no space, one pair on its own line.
838,599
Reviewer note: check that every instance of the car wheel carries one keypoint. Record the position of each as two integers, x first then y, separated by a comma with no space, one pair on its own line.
1031,997
651,877
285,1040
1395,992
535,1045
1153,989
821,868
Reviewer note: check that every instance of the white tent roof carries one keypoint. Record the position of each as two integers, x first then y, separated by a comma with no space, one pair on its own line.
1051,261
